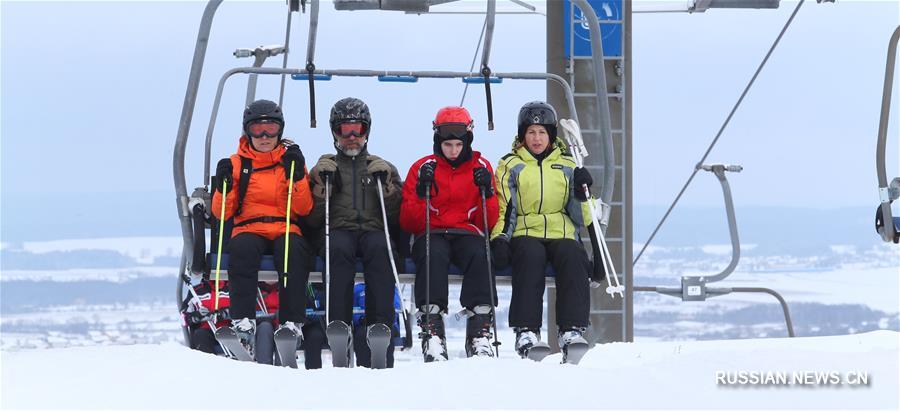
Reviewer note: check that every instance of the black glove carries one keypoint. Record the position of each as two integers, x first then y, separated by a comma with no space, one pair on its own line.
483,179
500,252
426,178
580,178
293,154
197,315
223,173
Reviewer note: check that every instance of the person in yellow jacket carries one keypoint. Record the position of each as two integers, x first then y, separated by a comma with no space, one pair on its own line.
541,213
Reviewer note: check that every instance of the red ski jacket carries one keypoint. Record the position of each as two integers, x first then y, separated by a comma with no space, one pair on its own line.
455,200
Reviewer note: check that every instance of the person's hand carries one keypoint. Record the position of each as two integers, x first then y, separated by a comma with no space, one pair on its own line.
326,166
381,170
501,252
581,178
295,156
197,315
483,179
426,178
224,170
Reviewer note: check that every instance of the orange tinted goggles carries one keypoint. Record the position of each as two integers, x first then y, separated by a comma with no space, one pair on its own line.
261,129
345,130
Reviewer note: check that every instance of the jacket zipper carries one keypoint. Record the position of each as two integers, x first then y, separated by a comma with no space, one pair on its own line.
353,177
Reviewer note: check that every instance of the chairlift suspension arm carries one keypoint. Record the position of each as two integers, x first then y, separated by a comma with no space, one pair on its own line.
310,57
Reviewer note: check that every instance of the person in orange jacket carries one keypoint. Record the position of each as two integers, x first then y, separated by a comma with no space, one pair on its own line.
259,218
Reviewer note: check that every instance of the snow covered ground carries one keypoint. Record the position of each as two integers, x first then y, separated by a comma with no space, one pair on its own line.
637,375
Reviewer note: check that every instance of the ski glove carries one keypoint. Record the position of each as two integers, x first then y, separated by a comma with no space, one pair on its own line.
326,166
426,178
197,315
380,169
224,170
483,180
293,154
580,178
500,252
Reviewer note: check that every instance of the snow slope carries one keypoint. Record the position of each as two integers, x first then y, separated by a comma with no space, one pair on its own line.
637,375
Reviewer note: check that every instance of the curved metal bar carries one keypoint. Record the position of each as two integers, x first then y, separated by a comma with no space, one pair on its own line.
784,307
888,233
715,292
570,98
609,177
184,127
719,171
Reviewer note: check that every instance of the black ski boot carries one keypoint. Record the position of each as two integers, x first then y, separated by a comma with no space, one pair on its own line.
434,342
478,331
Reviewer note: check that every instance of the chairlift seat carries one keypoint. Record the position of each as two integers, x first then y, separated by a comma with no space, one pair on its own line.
407,272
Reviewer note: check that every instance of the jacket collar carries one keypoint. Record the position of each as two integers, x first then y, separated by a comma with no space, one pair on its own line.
258,157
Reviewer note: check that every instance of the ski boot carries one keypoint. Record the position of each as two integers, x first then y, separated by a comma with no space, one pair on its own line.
434,342
239,339
572,344
529,344
478,331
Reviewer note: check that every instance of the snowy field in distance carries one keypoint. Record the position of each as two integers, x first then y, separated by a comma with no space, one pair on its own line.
635,375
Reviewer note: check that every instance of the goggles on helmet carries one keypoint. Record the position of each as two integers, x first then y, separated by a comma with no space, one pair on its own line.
264,128
345,130
452,130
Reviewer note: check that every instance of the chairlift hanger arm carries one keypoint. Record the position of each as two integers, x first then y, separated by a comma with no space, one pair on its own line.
485,58
887,227
719,170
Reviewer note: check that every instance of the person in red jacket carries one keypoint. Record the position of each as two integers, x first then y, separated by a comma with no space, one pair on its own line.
259,218
455,177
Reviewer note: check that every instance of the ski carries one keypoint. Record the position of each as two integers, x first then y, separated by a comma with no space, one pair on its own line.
227,337
340,340
286,343
378,336
538,351
574,352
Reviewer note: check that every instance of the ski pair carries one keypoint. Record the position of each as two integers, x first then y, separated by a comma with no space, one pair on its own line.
340,339
286,343
530,346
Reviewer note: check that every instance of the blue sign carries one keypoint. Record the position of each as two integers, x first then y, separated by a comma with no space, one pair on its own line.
610,14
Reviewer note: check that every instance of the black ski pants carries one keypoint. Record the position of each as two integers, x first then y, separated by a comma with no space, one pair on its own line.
313,341
346,247
202,339
466,252
245,254
529,258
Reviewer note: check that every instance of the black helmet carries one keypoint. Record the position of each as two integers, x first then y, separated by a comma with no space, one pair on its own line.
263,110
537,112
350,109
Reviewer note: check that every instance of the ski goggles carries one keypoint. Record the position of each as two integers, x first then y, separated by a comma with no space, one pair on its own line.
264,128
346,130
452,131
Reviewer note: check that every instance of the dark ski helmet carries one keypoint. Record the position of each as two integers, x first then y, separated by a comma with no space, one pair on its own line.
537,112
263,110
350,110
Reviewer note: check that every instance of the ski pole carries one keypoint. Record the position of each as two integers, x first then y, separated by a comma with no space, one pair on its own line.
428,250
579,151
487,252
287,223
221,234
327,248
387,238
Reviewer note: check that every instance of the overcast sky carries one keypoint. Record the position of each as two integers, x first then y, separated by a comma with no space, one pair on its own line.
92,93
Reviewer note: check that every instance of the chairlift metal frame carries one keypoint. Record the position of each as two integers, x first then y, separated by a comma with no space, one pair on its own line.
189,205
696,288
885,222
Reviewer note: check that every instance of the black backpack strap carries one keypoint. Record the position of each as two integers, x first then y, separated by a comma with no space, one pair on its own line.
265,219
243,182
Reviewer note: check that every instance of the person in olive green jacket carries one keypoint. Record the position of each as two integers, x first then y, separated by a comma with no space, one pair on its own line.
356,221
541,213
